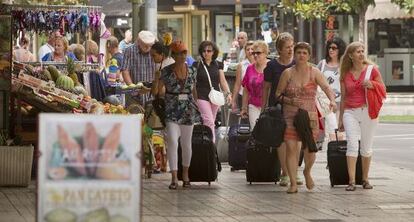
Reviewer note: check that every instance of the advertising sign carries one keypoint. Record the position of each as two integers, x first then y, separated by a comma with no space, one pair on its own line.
89,168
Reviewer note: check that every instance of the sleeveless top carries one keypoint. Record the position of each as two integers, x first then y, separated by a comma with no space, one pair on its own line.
306,93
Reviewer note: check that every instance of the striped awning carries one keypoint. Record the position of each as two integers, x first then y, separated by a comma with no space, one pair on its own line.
385,9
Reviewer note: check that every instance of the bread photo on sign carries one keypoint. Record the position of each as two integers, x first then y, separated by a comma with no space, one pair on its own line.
89,155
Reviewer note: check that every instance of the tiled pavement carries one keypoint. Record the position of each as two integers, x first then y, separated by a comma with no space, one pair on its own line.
232,199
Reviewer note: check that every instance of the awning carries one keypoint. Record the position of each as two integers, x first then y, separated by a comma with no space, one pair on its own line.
233,2
384,9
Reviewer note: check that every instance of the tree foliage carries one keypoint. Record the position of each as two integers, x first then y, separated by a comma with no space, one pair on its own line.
311,9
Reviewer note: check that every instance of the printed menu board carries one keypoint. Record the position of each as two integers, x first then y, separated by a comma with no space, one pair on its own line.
89,168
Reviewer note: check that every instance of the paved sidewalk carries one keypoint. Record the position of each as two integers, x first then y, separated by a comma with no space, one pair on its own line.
232,199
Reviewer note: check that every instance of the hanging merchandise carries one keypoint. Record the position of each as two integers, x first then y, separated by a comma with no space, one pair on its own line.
48,20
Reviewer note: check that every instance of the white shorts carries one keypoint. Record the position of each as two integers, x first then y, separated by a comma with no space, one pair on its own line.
330,123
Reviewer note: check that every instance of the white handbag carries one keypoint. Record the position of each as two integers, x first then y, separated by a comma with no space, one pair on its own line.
216,97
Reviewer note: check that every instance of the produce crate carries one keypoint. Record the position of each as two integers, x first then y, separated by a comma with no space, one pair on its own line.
15,165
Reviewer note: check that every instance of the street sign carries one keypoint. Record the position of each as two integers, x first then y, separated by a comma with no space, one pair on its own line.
89,168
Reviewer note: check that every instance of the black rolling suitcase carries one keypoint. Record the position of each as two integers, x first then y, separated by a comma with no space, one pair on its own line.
239,136
204,164
337,165
262,163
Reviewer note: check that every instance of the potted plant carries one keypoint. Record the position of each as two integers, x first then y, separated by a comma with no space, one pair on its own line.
15,161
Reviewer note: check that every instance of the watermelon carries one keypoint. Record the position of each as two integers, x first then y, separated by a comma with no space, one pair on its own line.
65,82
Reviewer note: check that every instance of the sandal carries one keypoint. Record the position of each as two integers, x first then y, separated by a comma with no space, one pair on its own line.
173,186
186,184
284,181
366,185
292,191
351,187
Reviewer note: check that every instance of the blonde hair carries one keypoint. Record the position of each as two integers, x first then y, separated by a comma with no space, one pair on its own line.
64,41
248,43
282,39
92,48
262,45
346,62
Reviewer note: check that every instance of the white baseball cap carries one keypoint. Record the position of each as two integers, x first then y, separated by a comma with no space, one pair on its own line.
146,37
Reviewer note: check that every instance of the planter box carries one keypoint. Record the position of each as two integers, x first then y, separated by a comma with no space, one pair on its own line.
15,165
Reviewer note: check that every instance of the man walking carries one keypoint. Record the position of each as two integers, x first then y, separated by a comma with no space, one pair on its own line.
138,65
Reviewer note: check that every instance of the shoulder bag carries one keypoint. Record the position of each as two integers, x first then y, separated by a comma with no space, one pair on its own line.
216,97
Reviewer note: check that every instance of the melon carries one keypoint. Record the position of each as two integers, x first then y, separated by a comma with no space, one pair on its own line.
65,82
54,72
45,75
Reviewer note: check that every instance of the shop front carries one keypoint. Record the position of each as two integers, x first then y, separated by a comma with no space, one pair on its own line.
390,44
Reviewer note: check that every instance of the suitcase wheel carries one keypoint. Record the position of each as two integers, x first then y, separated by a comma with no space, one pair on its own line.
209,183
332,185
250,183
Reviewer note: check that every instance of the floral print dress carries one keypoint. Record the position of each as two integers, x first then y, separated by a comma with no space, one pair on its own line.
180,106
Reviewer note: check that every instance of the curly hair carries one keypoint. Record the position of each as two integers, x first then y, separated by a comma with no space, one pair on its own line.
339,43
206,43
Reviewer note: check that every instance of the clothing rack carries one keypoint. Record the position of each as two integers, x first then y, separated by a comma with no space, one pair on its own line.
41,6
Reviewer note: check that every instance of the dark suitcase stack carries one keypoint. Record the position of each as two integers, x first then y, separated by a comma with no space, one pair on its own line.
204,164
262,163
239,136
337,165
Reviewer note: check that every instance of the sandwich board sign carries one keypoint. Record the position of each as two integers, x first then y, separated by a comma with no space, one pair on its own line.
89,168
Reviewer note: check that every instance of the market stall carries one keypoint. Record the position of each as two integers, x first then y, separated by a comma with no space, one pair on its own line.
30,88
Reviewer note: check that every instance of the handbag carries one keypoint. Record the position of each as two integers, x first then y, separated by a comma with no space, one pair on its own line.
270,126
216,97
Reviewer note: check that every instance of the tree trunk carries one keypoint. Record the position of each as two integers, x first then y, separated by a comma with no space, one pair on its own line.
363,28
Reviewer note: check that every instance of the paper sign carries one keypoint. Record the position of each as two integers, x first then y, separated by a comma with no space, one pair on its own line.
89,168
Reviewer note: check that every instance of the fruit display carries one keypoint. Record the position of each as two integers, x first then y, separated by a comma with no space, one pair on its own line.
56,87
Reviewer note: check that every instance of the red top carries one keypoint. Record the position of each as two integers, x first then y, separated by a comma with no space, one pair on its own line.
355,92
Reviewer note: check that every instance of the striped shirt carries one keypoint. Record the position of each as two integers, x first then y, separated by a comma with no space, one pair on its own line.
141,66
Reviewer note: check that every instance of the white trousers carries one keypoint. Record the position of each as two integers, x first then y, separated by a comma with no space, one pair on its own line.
184,132
254,113
359,126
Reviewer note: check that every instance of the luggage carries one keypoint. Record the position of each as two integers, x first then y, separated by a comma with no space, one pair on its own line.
262,163
222,139
204,164
238,142
337,165
270,127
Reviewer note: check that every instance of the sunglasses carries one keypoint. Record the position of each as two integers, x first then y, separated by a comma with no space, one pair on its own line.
257,53
208,50
333,47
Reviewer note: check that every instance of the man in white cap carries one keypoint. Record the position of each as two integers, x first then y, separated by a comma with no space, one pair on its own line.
138,65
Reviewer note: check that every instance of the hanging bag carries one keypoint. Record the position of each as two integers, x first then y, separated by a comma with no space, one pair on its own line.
216,97
270,126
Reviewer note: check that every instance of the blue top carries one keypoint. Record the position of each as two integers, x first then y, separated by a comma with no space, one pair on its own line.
180,106
49,57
